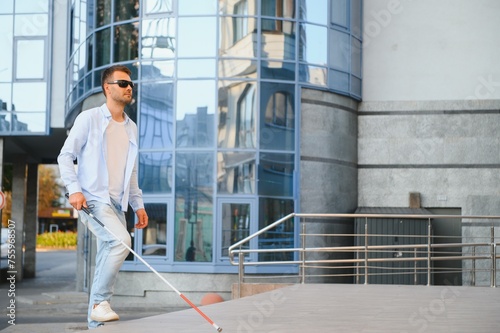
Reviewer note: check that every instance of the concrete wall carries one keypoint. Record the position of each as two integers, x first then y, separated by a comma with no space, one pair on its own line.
147,289
328,153
417,50
328,172
429,118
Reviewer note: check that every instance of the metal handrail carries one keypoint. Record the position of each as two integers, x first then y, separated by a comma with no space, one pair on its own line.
238,249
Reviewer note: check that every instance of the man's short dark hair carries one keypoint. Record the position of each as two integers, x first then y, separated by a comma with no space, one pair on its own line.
108,72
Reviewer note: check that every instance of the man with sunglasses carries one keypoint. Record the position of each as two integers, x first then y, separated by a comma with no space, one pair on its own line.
103,140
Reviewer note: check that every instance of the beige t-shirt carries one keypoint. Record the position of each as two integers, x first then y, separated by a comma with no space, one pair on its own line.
117,149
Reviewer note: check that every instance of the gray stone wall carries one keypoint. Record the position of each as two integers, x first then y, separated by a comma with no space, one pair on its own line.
448,151
328,171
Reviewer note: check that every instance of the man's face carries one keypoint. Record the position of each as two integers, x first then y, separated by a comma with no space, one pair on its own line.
122,95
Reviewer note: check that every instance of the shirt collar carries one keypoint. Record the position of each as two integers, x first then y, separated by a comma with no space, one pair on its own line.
107,113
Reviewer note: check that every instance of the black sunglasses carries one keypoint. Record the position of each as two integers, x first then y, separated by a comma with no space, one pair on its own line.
123,83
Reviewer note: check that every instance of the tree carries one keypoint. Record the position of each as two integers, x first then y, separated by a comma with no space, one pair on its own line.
49,190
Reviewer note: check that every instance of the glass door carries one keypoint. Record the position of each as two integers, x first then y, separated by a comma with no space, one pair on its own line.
154,241
237,221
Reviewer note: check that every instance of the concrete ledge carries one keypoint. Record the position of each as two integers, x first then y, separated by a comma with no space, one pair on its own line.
249,289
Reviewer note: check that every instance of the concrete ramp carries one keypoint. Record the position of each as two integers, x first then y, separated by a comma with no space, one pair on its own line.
337,308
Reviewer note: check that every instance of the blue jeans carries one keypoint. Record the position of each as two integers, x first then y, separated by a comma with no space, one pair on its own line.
110,252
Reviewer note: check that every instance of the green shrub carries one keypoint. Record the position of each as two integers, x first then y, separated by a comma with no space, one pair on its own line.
57,239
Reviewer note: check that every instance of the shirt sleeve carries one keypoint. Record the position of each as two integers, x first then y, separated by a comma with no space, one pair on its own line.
135,198
69,152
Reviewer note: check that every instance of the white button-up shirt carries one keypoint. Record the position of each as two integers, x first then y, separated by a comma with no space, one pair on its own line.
86,144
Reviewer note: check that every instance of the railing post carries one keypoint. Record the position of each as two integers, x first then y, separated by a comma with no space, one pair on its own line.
415,280
429,240
357,267
493,259
241,270
366,250
303,254
473,266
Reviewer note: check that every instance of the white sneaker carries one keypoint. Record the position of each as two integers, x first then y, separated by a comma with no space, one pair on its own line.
103,313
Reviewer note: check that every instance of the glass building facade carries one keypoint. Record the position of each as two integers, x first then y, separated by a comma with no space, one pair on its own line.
25,32
217,104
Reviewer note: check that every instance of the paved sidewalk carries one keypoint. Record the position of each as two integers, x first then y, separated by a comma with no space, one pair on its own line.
49,303
339,308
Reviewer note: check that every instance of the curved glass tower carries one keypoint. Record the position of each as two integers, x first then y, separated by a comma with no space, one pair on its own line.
218,106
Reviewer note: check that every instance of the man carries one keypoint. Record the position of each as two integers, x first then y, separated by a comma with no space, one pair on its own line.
104,142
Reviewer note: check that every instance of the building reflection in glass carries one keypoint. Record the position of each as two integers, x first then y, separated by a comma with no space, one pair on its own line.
194,207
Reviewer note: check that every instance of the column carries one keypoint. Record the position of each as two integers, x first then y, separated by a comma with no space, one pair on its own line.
18,209
31,222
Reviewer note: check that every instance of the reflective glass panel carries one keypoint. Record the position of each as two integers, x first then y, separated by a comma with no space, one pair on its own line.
240,7
194,207
29,122
236,37
236,172
282,236
356,56
103,12
5,97
157,6
88,82
158,38
278,26
126,10
31,25
154,237
314,75
90,54
314,39
356,19
277,119
29,66
356,85
5,122
97,78
195,113
6,54
30,6
278,39
83,22
197,37
103,47
157,70
275,174
75,28
197,7
37,101
156,126
7,7
237,115
242,68
278,8
315,11
126,42
340,12
235,224
82,60
155,172
338,80
196,68
279,70
340,52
